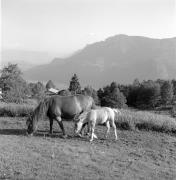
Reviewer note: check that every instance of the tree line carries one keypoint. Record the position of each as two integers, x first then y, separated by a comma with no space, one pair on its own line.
142,95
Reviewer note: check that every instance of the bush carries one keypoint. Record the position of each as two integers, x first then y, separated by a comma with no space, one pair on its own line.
132,120
16,110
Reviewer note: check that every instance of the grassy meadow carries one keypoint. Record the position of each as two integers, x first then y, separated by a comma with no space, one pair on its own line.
145,149
135,155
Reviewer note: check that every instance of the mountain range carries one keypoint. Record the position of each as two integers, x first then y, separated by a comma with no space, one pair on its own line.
120,58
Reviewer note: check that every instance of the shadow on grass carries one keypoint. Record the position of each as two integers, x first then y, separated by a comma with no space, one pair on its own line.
13,132
38,133
45,133
20,132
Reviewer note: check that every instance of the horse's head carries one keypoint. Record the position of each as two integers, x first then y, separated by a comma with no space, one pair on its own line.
31,125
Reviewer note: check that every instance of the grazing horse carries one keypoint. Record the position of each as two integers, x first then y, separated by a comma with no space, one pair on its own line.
97,116
58,107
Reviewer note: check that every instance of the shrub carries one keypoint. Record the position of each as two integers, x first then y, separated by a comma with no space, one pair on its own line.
132,120
16,110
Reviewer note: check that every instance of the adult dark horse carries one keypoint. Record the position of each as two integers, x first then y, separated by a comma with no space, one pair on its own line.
58,107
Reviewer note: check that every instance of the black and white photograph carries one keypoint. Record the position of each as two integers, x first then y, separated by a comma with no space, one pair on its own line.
88,90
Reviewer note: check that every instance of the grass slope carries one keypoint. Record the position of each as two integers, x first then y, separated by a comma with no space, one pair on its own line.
136,154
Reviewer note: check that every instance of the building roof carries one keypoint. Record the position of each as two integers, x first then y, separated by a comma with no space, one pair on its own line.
53,90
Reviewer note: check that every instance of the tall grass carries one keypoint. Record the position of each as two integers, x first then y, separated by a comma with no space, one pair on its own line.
132,120
16,110
129,119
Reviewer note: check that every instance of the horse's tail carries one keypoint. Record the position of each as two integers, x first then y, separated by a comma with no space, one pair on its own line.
94,106
117,111
42,108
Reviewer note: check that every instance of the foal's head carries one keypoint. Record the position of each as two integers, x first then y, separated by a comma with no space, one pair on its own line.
78,125
79,121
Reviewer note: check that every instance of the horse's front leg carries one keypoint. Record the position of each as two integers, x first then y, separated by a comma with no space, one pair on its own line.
51,126
59,120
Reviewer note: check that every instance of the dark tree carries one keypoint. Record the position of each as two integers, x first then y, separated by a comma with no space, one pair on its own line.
133,95
174,88
148,94
100,94
88,90
37,90
112,97
167,92
136,83
125,89
14,87
75,87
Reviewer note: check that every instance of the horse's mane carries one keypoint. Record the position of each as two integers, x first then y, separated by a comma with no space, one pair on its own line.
41,109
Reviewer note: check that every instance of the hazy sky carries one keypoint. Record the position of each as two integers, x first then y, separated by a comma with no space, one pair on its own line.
64,26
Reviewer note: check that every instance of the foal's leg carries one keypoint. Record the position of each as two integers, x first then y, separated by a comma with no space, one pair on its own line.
95,136
82,129
108,128
92,129
59,121
115,131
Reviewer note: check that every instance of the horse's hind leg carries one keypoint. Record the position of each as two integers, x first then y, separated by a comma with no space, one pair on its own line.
59,120
51,126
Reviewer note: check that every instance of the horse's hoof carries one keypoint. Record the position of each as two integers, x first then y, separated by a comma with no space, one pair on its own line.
90,140
49,134
29,135
65,136
80,135
95,136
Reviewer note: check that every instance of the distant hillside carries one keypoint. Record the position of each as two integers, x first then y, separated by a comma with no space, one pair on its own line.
119,58
25,59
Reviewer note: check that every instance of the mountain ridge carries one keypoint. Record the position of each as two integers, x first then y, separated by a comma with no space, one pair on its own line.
120,58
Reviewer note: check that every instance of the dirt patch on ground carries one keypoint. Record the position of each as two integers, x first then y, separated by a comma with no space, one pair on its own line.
135,155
